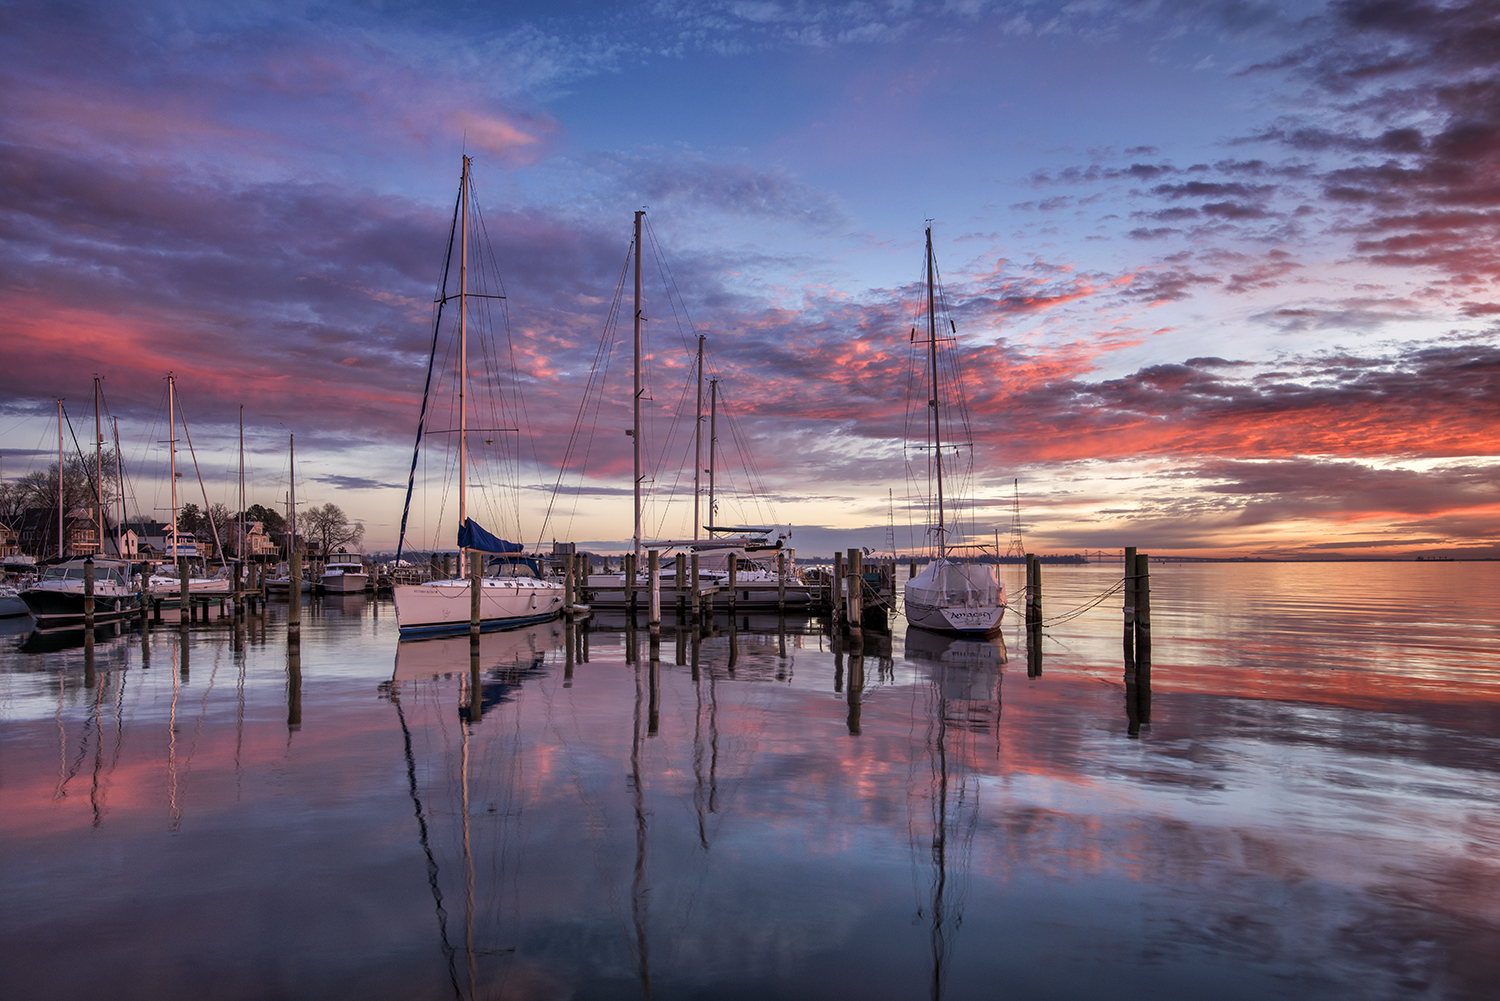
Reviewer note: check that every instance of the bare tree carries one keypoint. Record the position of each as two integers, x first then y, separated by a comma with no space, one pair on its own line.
329,528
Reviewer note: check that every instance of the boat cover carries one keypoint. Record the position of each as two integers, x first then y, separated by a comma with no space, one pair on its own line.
944,583
472,536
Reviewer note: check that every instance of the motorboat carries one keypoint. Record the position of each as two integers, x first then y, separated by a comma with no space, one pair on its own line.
344,575
58,597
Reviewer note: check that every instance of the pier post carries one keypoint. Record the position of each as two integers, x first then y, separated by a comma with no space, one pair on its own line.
681,584
238,597
88,597
653,580
696,598
293,594
184,603
836,588
1142,609
854,599
627,563
1130,580
781,580
476,573
734,562
568,593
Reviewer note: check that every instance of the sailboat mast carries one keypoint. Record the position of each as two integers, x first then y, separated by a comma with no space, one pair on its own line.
713,442
172,458
120,489
463,360
98,470
59,481
240,545
698,448
291,503
635,434
937,428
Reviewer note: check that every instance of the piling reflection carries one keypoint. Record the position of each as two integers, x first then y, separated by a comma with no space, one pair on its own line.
293,683
604,828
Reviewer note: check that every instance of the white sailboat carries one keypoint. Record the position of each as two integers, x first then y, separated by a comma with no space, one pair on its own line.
518,595
952,594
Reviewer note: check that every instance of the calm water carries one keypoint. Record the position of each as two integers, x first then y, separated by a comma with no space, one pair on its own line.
1310,810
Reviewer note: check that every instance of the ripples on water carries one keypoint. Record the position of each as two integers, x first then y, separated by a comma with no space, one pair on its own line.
1308,811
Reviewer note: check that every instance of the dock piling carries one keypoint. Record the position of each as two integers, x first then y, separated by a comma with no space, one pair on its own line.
653,580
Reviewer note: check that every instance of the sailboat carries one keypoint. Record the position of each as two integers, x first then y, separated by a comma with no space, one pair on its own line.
516,594
952,594
758,582
60,597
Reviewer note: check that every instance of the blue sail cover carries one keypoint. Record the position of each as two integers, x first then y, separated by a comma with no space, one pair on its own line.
471,536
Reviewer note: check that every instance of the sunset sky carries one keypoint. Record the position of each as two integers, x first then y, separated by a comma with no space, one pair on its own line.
1223,274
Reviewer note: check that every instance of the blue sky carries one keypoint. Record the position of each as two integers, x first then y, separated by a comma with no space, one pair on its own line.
1222,274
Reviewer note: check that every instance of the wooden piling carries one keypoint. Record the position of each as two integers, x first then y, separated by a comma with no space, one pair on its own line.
476,590
734,567
836,588
1142,609
1130,584
184,603
568,590
781,580
695,597
857,573
88,596
629,572
294,593
682,584
653,581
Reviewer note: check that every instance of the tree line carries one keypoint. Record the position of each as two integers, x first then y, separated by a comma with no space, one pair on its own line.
327,527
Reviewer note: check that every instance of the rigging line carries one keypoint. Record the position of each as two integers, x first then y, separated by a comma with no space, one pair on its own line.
449,951
669,281
524,416
610,322
757,482
82,462
411,478
208,512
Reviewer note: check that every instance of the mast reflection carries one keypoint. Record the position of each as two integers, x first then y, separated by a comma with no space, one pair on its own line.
963,699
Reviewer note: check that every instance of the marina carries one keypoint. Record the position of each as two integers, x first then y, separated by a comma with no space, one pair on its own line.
1293,798
767,501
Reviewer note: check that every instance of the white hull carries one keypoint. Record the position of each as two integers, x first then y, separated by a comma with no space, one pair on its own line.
965,599
976,620
443,605
345,583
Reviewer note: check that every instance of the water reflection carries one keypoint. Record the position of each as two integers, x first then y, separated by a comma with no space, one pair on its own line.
558,813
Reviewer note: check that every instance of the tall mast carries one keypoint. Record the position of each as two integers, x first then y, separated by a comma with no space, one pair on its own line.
713,442
59,481
120,489
98,470
240,545
937,429
291,504
698,447
635,433
463,359
172,458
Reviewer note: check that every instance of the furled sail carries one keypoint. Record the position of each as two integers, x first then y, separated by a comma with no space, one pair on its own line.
472,536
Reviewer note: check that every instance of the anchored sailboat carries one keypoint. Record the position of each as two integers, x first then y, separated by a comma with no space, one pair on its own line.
952,594
471,601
